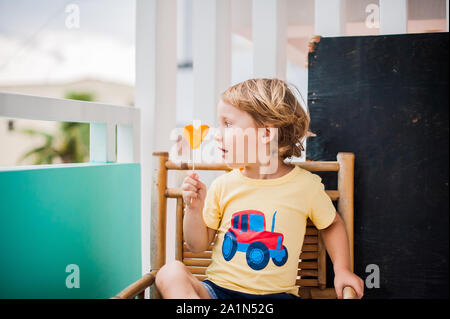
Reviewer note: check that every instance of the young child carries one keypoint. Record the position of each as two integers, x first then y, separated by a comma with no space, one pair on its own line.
259,216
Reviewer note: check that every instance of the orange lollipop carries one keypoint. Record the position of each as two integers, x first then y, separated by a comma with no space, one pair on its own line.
195,136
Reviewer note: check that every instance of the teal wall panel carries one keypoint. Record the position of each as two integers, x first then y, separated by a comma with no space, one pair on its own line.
54,216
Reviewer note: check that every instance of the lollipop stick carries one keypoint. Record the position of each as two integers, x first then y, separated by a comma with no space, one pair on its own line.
193,167
193,159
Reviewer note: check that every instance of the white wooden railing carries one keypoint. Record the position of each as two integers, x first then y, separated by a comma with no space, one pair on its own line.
103,119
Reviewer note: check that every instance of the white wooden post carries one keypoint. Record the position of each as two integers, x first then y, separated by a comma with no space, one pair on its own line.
102,142
269,24
128,142
211,53
329,18
393,16
97,142
155,93
329,21
211,38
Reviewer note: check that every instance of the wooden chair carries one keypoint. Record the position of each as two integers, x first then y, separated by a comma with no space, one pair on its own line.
312,260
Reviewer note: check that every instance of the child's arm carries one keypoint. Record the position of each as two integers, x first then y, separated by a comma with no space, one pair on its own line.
197,235
336,241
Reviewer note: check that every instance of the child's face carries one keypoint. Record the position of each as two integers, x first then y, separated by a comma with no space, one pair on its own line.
237,135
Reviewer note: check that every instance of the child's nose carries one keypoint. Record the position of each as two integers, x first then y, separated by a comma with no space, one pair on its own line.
218,135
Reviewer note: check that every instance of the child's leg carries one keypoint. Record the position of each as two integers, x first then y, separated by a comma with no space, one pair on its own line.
175,281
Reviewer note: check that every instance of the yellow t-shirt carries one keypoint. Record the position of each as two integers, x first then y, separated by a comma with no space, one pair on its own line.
261,225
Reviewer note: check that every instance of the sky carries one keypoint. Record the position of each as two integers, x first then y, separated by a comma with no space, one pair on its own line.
36,44
24,17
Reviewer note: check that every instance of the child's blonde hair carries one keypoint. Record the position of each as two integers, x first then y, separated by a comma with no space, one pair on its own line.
271,102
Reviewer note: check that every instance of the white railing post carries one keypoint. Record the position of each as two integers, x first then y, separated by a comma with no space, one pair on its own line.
111,142
329,18
102,142
211,53
127,143
269,24
97,142
393,16
211,38
155,94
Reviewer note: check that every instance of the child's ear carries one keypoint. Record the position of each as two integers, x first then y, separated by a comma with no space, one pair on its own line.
269,134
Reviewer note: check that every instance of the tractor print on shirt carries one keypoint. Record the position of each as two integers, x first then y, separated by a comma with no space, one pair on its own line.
248,234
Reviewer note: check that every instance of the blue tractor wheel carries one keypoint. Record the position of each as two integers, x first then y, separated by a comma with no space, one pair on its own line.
281,259
229,246
257,255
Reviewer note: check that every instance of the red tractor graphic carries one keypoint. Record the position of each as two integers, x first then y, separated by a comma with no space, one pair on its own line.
247,234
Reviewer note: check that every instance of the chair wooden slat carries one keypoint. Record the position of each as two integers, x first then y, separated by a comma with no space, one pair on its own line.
197,262
174,192
307,265
179,230
311,231
317,293
312,166
307,272
197,270
205,254
307,282
311,240
309,255
310,247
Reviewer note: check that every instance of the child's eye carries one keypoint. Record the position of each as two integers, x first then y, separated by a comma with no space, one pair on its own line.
227,124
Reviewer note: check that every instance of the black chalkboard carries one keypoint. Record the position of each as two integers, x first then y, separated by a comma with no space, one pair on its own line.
385,98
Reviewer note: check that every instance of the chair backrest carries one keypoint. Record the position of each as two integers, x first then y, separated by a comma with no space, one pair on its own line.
312,260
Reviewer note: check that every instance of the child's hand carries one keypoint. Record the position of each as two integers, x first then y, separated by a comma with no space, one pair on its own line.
193,191
344,278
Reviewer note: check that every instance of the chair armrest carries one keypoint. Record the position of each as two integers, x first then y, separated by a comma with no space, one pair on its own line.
349,293
137,289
